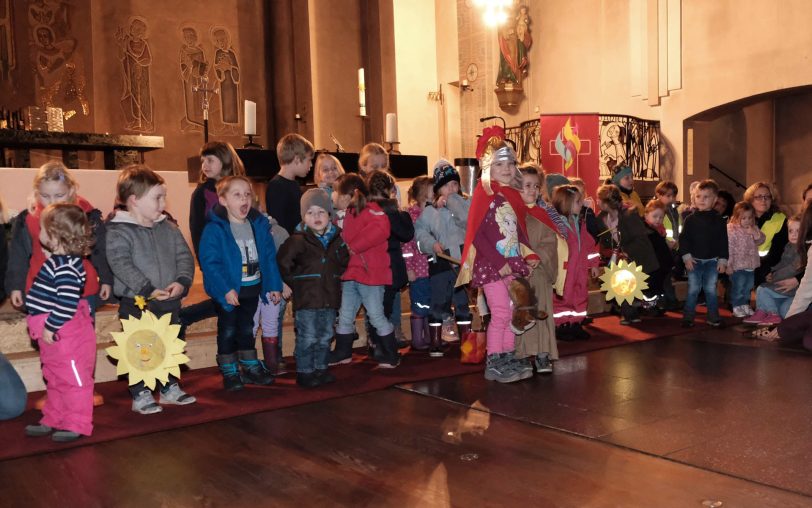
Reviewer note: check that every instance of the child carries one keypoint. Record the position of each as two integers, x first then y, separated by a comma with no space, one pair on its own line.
149,258
60,321
366,231
655,212
312,261
593,225
282,196
626,234
743,240
54,184
401,229
543,238
421,195
774,297
372,157
624,180
238,259
666,193
342,195
441,230
217,160
569,309
704,249
495,252
326,171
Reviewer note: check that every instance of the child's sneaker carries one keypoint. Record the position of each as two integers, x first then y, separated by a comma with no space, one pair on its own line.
740,312
749,310
717,324
771,320
543,364
325,377
497,368
521,365
65,436
757,317
687,323
174,395
38,430
144,403
307,380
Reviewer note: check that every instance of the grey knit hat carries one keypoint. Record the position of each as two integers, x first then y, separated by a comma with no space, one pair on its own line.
316,197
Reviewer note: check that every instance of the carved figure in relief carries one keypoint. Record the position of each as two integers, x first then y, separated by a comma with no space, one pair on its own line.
136,60
193,66
227,72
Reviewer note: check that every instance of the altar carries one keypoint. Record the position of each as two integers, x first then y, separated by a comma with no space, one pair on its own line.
120,150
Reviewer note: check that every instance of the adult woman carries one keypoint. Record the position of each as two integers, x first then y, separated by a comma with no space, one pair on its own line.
796,328
772,222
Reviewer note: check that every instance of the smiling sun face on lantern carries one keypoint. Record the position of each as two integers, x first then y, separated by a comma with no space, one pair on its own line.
624,282
148,349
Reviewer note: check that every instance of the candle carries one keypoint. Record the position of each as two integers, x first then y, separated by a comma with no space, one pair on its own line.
362,102
391,128
250,118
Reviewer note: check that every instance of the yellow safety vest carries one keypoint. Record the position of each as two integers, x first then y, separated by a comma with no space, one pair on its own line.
672,231
770,229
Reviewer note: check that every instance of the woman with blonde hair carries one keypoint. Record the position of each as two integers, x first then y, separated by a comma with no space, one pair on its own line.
772,221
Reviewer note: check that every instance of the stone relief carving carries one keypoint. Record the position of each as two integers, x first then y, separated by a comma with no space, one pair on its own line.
227,73
8,54
136,59
193,67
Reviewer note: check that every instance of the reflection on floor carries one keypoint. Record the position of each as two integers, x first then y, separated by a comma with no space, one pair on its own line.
684,421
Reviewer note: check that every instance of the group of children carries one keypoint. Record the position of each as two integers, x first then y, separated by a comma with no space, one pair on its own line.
348,243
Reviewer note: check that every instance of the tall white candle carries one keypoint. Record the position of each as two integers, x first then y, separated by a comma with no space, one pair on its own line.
362,101
391,128
250,118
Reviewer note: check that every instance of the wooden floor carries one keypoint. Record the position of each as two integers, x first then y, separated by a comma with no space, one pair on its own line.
686,421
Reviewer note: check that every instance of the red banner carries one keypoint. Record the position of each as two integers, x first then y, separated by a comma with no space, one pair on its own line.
570,145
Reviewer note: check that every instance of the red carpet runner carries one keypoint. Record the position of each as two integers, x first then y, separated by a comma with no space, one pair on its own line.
115,420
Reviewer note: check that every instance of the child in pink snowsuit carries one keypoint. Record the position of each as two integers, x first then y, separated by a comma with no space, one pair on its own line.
569,309
59,320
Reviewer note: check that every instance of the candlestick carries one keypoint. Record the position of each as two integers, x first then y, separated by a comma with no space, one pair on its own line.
250,118
391,128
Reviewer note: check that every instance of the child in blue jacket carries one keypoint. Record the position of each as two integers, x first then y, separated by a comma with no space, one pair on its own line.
238,259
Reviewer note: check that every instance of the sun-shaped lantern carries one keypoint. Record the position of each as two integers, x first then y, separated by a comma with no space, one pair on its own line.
148,349
624,281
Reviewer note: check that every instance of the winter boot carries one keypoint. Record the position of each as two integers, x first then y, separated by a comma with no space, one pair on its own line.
578,332
343,350
325,377
270,351
307,380
231,374
436,337
420,339
463,328
252,371
388,356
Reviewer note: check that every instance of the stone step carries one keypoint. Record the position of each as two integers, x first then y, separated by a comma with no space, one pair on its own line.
201,342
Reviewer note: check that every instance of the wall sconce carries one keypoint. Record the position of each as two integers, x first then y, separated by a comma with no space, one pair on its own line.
463,85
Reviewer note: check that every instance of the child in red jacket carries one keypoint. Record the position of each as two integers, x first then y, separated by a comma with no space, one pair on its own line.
366,231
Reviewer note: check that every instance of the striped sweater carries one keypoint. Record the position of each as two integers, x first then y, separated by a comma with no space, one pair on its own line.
57,289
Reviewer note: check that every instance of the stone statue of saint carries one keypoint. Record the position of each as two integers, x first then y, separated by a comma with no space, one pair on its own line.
136,59
193,66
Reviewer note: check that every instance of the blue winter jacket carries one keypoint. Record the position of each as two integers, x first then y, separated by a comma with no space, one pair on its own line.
221,261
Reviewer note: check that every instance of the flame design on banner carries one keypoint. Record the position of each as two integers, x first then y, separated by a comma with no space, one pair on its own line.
568,144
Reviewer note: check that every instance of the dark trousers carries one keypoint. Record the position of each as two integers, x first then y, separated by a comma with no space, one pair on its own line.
443,294
235,328
128,308
797,330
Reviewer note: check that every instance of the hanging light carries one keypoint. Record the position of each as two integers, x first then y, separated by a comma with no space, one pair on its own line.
494,12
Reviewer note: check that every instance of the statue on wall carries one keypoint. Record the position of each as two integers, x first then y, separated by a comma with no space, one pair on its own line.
227,72
136,59
514,43
8,56
193,67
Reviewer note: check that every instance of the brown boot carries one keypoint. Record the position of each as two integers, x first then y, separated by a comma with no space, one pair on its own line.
270,352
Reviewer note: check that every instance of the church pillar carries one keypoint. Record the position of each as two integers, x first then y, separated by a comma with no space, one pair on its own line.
760,127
